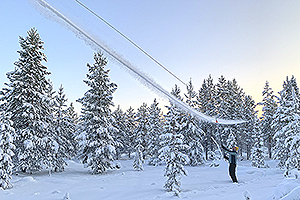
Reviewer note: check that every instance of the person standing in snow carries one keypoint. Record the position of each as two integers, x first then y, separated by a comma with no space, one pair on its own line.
232,161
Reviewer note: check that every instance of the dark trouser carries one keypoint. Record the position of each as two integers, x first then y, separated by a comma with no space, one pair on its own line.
232,172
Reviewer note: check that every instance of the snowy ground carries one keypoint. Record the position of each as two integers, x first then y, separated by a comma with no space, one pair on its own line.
126,184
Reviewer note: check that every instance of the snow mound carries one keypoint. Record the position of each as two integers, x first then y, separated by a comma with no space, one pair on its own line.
28,179
293,195
287,190
295,173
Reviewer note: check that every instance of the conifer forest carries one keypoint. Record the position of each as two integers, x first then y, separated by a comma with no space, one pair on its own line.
41,131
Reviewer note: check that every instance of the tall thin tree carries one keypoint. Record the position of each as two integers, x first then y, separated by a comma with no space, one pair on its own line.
95,118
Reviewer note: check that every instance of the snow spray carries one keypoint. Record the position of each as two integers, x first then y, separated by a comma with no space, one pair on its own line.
50,12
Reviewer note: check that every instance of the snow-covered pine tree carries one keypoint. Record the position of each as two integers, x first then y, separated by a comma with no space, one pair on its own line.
130,127
231,140
258,150
52,162
64,131
191,130
50,93
237,96
269,106
190,95
224,107
95,118
120,136
80,137
155,130
193,138
237,102
172,151
173,148
292,133
71,113
286,120
206,103
6,150
61,106
176,92
25,97
251,127
138,158
222,98
72,119
206,98
293,145
230,104
141,135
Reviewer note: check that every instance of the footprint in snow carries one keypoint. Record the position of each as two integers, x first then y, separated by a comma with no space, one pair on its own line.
56,192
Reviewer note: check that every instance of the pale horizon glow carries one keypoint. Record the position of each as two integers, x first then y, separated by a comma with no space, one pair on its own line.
251,41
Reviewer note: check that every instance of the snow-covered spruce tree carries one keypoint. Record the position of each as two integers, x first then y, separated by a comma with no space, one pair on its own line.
72,121
173,147
54,159
286,121
293,145
206,103
6,150
258,150
292,133
71,113
232,103
172,151
206,98
95,118
190,95
154,130
50,93
130,127
191,130
25,97
269,104
120,136
224,107
250,128
237,96
64,130
138,158
193,138
141,135
235,100
222,99
231,140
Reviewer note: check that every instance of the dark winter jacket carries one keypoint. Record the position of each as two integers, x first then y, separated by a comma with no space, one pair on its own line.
232,155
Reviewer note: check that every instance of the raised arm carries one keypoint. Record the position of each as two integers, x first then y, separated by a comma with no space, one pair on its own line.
223,147
229,151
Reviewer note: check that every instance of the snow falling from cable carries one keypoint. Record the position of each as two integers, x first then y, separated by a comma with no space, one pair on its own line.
53,14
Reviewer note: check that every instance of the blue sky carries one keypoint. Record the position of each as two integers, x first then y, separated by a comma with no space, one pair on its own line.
252,41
